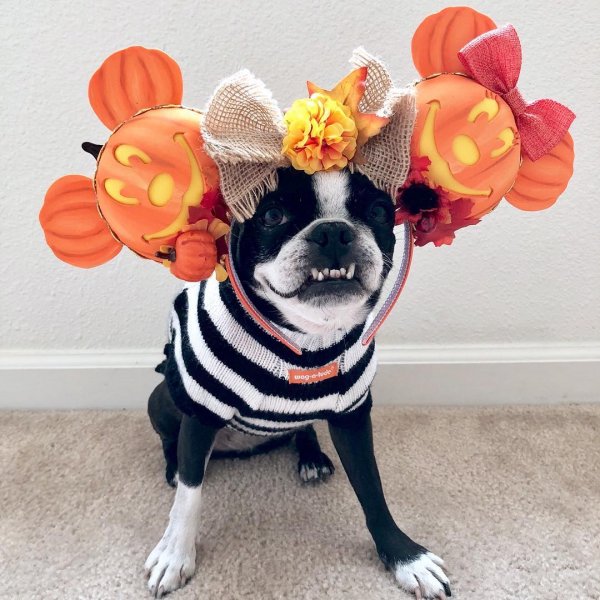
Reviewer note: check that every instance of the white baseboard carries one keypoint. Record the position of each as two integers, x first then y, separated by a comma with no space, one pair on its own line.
418,375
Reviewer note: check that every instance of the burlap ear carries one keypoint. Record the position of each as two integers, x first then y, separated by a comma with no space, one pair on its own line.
378,82
243,132
386,156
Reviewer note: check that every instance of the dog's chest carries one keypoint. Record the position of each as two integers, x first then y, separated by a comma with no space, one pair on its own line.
233,368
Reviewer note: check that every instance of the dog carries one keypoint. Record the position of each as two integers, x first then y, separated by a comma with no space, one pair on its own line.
313,260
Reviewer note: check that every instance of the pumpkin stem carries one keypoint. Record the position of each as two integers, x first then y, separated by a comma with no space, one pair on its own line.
171,255
93,149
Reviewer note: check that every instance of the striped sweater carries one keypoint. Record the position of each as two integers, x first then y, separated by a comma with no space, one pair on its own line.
223,368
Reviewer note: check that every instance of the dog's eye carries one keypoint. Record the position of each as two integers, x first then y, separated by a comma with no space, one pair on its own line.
379,213
273,216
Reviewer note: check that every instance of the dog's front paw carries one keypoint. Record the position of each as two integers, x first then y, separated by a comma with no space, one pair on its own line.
170,565
424,577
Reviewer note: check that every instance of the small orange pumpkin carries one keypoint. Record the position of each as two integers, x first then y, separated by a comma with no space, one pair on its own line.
439,37
470,137
195,255
540,183
131,80
72,226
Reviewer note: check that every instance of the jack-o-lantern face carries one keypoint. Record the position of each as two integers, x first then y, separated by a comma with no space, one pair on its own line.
470,136
150,173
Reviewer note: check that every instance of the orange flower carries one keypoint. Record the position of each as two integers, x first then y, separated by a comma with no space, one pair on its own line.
326,130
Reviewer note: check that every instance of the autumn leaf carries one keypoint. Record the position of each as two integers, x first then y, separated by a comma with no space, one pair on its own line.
444,233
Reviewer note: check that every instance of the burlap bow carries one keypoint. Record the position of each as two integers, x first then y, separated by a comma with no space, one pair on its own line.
494,60
243,130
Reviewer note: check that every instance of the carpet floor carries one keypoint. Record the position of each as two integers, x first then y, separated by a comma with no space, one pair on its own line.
509,497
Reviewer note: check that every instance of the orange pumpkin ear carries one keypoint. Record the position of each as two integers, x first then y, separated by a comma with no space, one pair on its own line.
439,37
133,79
540,183
72,224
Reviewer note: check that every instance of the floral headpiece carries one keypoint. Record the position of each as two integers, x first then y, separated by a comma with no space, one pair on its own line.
363,123
327,129
447,150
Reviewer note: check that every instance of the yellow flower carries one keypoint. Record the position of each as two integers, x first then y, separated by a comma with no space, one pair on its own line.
321,134
327,130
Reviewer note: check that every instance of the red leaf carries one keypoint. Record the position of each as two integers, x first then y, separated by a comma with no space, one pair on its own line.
444,233
197,213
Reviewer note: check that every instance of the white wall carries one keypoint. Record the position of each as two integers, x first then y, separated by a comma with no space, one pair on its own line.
517,278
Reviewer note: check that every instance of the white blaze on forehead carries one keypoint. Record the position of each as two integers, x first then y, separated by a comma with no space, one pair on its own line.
332,189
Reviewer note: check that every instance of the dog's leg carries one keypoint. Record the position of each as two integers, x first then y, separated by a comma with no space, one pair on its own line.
165,418
173,560
416,569
313,464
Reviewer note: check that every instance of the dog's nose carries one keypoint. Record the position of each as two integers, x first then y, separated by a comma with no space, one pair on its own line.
332,235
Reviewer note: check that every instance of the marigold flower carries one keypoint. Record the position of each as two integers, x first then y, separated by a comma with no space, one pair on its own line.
321,134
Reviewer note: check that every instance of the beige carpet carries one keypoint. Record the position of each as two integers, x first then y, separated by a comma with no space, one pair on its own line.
509,497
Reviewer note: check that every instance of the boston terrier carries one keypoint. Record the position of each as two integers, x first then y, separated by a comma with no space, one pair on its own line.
312,260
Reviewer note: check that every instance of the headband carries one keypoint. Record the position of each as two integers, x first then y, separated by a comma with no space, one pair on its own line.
363,123
170,180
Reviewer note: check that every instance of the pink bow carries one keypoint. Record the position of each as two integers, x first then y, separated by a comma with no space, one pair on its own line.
494,60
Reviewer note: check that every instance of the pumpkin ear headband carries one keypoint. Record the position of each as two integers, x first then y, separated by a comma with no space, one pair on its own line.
169,178
155,189
476,139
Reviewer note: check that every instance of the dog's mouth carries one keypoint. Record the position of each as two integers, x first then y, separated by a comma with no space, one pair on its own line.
326,281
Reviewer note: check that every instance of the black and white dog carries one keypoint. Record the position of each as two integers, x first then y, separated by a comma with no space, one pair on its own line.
312,259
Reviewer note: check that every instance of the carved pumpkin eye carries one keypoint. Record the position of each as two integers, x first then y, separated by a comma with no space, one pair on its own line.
160,189
507,137
465,149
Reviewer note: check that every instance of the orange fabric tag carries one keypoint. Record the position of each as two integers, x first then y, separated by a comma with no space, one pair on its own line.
313,375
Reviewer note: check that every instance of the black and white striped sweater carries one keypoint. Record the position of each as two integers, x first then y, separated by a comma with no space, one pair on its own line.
225,369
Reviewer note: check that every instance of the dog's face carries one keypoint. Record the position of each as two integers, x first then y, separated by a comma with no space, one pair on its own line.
318,248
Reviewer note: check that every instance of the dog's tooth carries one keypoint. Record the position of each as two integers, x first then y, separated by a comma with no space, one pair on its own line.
343,272
314,273
335,274
326,272
350,272
320,276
